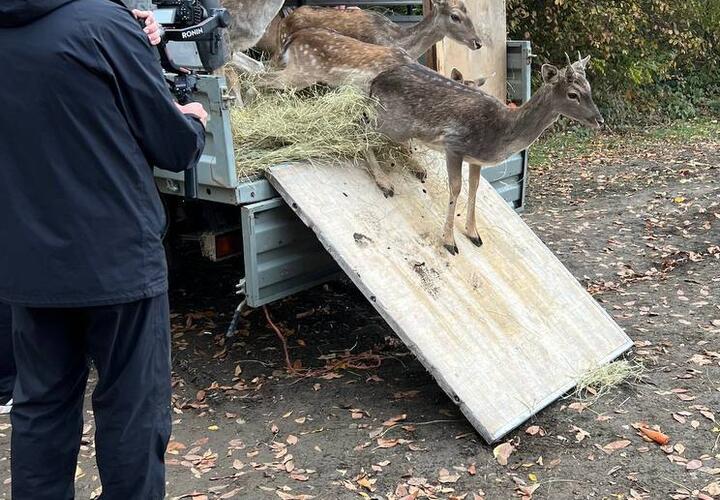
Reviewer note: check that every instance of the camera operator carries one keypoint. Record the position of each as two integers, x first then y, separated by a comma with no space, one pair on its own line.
86,112
7,359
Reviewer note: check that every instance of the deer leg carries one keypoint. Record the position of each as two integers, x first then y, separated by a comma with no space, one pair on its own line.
413,166
245,64
470,227
378,174
454,170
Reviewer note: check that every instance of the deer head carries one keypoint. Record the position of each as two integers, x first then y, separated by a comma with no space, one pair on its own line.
457,76
571,92
454,20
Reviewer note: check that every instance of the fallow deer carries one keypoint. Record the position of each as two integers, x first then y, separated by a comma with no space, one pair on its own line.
457,76
468,124
317,55
447,18
250,19
249,22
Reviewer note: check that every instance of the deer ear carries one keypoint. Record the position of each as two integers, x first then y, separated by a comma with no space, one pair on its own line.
549,73
480,82
456,75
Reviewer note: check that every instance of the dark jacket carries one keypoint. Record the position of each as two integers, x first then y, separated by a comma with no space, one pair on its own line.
84,113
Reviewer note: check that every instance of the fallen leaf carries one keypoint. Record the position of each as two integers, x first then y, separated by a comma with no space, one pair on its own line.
395,420
174,447
615,445
535,430
577,406
580,434
502,452
712,489
447,477
693,464
292,440
708,414
387,443
230,494
367,483
288,496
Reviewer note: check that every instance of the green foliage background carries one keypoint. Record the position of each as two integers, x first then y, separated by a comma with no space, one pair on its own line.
653,60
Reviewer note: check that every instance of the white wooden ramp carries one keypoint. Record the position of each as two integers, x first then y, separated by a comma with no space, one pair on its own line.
505,329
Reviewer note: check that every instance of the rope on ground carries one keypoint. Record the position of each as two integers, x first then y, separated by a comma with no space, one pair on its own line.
288,364
362,361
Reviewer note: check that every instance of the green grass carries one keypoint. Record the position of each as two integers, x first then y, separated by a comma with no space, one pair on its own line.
575,142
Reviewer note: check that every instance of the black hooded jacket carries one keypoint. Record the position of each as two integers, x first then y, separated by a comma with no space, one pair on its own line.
84,113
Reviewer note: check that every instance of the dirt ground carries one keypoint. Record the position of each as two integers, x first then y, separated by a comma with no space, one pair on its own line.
637,221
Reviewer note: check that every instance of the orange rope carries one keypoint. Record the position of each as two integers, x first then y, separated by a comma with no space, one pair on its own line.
355,362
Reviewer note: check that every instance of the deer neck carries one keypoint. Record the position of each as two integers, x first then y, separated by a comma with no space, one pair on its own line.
418,39
528,122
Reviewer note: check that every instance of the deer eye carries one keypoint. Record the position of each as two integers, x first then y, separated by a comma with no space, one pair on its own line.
455,18
573,96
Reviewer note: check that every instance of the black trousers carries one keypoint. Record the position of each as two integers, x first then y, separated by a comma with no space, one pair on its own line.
129,345
7,360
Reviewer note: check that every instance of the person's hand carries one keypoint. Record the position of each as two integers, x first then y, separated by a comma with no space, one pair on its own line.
152,29
194,109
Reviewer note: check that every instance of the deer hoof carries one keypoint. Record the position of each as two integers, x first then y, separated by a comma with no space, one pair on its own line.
421,175
476,240
453,249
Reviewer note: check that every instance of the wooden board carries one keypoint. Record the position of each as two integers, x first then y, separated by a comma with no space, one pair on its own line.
505,329
489,17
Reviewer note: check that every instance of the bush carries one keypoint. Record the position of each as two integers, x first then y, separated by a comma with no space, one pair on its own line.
653,60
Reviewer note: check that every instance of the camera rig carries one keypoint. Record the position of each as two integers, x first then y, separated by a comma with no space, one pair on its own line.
193,43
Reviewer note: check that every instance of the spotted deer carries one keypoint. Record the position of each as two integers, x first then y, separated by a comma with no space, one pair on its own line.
470,125
318,55
447,18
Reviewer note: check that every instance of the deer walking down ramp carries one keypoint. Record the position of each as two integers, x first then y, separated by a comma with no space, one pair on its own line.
505,328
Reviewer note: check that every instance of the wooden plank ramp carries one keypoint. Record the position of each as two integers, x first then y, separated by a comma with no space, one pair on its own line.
505,329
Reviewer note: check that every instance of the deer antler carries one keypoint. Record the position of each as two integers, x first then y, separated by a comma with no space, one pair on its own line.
570,71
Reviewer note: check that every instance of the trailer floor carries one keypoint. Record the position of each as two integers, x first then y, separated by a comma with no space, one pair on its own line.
636,224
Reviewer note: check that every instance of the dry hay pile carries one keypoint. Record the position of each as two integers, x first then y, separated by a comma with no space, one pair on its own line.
315,125
598,382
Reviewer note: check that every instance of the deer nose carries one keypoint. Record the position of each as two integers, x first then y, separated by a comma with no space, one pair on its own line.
476,44
600,121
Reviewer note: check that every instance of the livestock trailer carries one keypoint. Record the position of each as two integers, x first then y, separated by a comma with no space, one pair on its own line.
235,216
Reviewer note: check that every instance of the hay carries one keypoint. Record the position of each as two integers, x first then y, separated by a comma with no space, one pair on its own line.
315,125
600,381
